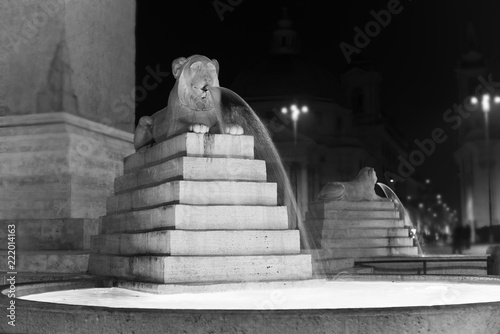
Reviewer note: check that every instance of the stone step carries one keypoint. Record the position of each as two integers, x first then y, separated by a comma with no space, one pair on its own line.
202,269
361,252
364,233
366,242
50,234
192,144
328,205
331,265
356,270
338,274
199,243
196,217
338,224
48,262
194,168
360,214
197,193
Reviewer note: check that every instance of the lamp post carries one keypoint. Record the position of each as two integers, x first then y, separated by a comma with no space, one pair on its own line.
486,107
295,112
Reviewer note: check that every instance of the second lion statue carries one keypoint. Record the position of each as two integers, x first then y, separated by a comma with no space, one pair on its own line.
362,188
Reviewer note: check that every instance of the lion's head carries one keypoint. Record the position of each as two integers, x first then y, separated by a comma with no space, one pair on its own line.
194,75
368,175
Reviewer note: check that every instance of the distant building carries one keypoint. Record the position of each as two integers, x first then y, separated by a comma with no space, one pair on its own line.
479,171
343,129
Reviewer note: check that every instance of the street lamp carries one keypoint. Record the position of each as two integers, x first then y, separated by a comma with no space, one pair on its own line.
486,107
295,112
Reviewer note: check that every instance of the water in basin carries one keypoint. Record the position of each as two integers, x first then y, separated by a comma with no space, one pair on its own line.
314,295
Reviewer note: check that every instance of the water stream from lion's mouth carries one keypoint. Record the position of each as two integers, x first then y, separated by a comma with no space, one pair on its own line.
389,193
231,108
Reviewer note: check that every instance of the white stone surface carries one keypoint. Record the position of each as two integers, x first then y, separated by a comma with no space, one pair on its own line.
192,144
196,193
195,217
311,294
198,243
198,269
194,168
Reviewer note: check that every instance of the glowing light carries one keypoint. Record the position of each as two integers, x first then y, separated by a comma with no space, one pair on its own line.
427,181
496,99
305,109
294,107
284,110
485,103
408,197
421,205
474,100
438,196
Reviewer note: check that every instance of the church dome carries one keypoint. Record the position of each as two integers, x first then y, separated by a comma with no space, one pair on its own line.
286,72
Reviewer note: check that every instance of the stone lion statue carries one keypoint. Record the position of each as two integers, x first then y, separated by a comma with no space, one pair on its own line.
362,188
190,104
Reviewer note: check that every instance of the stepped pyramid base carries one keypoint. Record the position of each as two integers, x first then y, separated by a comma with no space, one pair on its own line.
362,229
196,209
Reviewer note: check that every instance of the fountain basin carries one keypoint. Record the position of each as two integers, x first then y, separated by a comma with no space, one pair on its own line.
457,314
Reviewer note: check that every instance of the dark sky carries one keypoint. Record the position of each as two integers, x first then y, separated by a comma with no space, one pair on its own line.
416,53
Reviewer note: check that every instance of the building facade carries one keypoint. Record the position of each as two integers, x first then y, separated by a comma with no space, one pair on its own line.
343,129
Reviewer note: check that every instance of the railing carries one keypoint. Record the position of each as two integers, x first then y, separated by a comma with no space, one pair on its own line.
424,261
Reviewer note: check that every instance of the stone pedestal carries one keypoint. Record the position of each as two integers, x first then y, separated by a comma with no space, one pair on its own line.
56,171
197,209
58,165
67,91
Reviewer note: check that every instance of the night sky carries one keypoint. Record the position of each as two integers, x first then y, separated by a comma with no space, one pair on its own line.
416,53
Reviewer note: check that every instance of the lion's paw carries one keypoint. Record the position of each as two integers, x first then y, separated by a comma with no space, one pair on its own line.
199,128
233,129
